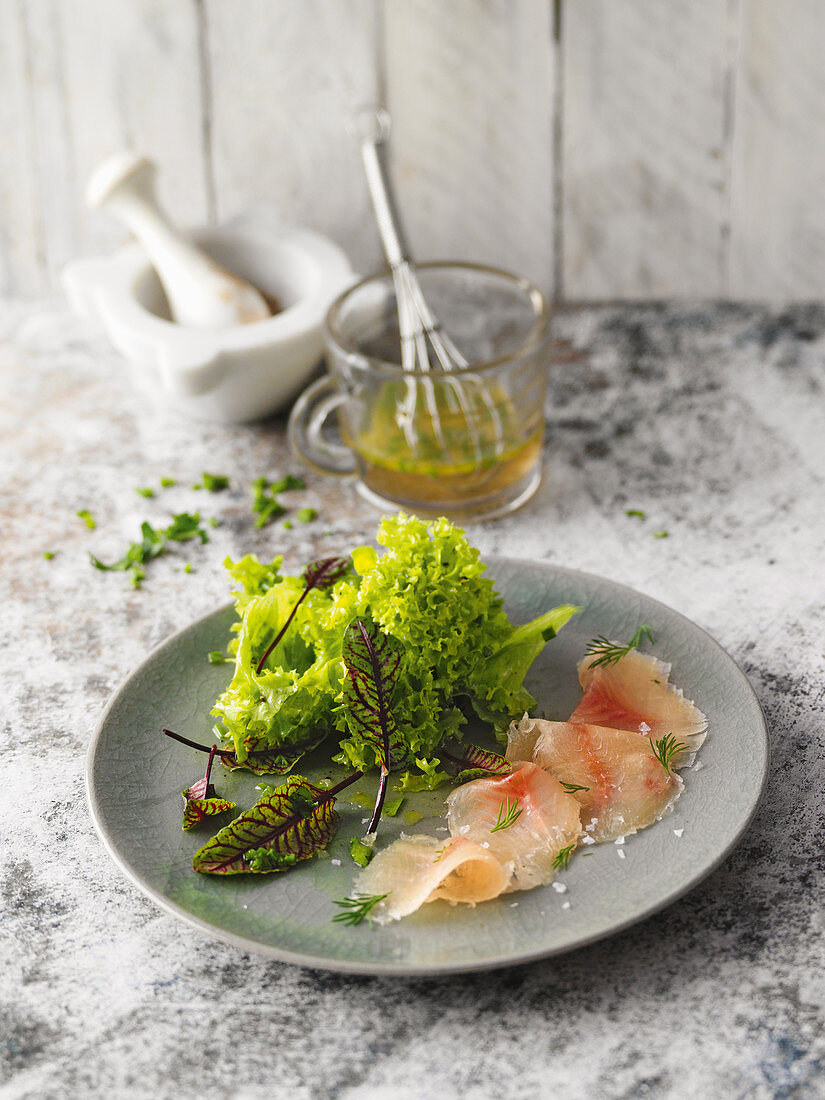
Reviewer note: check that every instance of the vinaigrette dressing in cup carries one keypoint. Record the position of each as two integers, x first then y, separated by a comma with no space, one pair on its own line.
464,443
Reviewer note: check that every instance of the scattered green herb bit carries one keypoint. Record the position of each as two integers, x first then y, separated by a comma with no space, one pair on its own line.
358,908
185,526
87,518
213,521
167,482
361,853
571,788
216,657
306,515
287,524
508,814
661,534
440,852
666,748
265,505
261,860
48,554
412,817
563,857
392,808
215,483
144,491
285,484
188,567
637,512
610,653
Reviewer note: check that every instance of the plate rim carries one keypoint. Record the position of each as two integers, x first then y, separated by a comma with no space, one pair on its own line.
390,969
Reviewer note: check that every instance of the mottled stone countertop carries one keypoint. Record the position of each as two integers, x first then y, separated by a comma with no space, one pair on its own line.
710,419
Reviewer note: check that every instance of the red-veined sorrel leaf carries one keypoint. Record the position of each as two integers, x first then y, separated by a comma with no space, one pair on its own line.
267,761
476,763
199,806
322,573
373,663
200,800
295,820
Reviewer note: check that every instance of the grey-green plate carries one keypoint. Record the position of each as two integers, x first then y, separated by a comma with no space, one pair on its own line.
135,776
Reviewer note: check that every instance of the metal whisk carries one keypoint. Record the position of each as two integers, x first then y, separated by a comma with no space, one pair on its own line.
425,345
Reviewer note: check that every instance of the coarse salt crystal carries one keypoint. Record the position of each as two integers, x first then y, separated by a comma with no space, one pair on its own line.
559,887
565,905
588,839
464,830
619,840
485,844
697,767
678,832
621,854
513,904
335,862
644,727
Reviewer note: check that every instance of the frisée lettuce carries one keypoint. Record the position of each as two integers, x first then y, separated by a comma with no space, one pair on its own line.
429,592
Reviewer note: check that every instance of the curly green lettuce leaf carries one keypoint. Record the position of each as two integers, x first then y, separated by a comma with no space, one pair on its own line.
292,820
428,592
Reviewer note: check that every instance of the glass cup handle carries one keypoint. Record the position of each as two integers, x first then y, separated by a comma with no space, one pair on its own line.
305,430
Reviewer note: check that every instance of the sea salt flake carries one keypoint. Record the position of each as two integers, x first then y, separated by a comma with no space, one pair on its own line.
621,854
678,832
644,727
513,904
335,862
588,839
565,905
559,887
464,830
697,767
619,840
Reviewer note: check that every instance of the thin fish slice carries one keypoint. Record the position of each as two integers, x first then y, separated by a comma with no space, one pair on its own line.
634,694
417,869
624,786
524,819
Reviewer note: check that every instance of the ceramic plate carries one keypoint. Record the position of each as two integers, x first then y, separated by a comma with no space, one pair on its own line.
135,776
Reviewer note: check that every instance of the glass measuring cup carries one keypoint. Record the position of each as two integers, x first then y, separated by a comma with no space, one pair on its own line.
464,443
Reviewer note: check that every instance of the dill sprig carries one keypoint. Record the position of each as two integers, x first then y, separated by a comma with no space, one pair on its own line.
357,908
666,748
571,788
610,653
508,814
563,857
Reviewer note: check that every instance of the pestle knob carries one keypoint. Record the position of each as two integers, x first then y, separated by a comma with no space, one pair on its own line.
200,292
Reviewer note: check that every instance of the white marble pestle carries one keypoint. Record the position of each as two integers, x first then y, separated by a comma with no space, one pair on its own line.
200,292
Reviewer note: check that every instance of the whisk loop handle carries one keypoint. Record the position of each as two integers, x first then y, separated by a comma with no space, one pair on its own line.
373,127
305,430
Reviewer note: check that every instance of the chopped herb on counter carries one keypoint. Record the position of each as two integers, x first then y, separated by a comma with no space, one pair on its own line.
285,484
167,482
661,534
153,543
637,512
214,483
48,554
87,518
265,505
188,567
145,492
306,515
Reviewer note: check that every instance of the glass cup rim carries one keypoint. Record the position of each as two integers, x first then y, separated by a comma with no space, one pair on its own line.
533,340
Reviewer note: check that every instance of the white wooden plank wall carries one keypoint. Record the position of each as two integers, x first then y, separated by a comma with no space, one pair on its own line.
606,148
